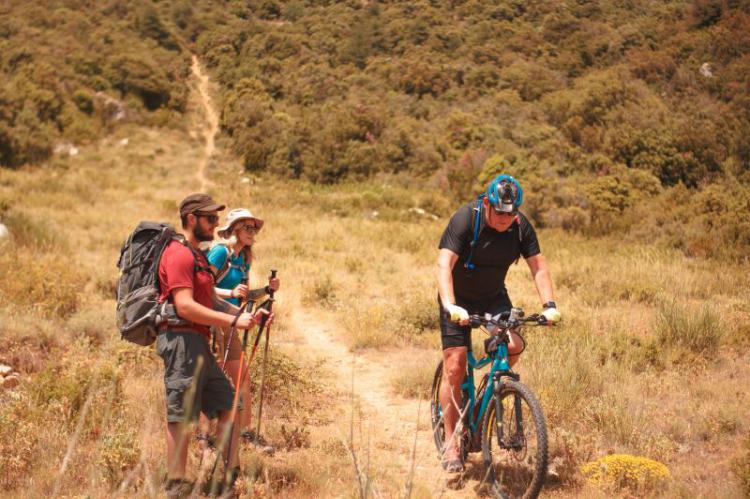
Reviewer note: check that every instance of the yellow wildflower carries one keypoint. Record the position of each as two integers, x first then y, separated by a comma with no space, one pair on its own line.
623,470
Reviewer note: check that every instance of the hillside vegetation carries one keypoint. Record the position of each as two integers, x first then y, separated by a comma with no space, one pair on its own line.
624,118
627,118
72,71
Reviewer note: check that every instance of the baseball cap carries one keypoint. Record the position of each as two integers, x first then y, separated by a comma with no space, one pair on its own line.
199,202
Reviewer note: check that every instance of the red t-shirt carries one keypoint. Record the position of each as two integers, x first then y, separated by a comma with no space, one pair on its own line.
177,270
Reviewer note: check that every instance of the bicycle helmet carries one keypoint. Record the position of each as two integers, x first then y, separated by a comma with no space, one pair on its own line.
505,194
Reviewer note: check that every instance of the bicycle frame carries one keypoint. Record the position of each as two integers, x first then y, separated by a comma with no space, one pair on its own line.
500,366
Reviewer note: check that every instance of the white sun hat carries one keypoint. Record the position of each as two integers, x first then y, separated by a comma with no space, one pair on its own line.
235,216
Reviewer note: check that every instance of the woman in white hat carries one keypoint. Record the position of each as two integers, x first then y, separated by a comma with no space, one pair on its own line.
230,261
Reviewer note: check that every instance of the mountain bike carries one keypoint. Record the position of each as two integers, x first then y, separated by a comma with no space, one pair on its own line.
503,417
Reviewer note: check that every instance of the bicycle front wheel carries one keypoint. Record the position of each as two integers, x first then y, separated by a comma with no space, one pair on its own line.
514,442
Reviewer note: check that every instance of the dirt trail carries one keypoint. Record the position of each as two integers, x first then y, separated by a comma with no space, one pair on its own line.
211,127
392,419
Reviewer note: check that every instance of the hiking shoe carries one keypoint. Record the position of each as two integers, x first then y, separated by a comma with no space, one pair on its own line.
249,436
453,465
179,488
205,441
258,443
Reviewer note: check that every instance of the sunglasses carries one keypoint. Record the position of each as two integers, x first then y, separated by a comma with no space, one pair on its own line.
252,229
212,219
503,213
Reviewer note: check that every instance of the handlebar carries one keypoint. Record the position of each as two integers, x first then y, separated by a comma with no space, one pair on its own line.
476,321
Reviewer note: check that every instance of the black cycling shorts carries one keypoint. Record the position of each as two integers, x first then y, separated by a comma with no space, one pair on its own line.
454,335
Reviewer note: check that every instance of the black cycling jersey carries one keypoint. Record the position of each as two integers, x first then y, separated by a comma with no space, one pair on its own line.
494,252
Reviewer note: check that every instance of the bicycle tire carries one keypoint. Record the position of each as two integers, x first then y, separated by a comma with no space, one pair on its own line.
436,416
508,470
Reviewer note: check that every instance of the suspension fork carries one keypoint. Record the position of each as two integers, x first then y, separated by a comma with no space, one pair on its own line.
518,437
497,383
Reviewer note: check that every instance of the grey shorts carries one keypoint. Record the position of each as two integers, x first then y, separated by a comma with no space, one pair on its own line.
188,389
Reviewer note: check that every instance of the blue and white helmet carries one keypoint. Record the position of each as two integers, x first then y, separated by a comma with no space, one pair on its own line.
505,194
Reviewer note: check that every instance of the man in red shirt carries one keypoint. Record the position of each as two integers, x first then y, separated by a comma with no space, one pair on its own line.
193,380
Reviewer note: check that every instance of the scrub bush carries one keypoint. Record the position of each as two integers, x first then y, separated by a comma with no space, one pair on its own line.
636,473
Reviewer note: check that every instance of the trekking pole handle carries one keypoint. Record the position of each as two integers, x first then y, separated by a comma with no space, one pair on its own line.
270,301
273,276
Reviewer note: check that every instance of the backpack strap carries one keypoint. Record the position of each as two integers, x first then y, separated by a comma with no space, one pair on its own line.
226,267
477,227
197,267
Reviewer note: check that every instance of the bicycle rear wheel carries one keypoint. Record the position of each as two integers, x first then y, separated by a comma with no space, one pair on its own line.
514,442
436,416
436,411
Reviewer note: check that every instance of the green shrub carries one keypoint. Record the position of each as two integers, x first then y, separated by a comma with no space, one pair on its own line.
414,380
688,331
418,314
321,292
42,282
84,100
119,452
18,441
29,232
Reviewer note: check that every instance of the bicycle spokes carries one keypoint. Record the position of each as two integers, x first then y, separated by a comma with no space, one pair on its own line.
514,442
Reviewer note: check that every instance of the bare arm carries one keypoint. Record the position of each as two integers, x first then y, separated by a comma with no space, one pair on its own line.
542,277
224,306
254,294
445,263
273,285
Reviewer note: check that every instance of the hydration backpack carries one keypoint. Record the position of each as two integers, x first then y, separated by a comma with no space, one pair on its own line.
139,313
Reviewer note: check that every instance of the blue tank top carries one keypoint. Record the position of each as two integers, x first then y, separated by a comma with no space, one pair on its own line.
238,268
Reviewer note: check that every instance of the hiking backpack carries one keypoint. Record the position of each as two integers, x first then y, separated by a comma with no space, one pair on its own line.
139,313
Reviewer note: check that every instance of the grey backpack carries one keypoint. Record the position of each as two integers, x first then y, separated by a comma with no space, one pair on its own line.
139,313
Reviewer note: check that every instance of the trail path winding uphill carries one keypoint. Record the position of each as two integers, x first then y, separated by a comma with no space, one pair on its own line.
211,126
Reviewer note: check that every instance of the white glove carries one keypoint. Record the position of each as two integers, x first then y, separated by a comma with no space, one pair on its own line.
552,315
457,313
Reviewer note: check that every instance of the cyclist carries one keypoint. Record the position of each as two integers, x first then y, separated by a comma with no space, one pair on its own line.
481,241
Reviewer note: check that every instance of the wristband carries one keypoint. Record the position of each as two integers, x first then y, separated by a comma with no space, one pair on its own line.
231,293
549,304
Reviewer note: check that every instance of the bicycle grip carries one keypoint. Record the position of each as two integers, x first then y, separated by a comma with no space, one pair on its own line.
273,276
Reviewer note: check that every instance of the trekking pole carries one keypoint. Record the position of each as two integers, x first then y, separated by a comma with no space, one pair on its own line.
232,331
263,366
235,403
241,376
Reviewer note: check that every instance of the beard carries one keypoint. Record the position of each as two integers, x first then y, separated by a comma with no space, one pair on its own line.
203,235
